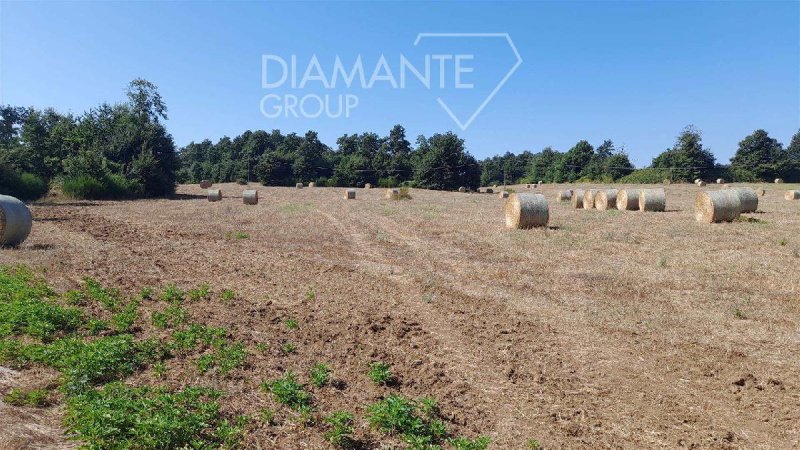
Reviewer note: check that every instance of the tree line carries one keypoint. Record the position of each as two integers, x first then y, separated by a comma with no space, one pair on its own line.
124,151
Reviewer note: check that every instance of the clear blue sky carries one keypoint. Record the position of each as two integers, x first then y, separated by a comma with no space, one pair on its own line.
634,72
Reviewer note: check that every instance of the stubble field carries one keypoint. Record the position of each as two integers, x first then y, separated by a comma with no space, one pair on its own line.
607,329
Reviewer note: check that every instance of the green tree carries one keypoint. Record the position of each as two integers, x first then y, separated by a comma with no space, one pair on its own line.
443,163
687,159
758,158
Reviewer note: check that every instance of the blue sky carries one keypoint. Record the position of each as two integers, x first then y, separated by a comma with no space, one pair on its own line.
633,72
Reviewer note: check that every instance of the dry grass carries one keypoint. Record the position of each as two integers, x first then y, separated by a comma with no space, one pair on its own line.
647,352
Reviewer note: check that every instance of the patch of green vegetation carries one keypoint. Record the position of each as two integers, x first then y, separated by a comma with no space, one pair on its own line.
287,347
36,398
288,391
738,313
172,294
262,347
28,306
463,443
404,193
238,235
783,242
397,415
124,319
267,416
225,357
311,294
160,369
120,417
227,295
320,374
380,373
340,432
172,317
662,262
96,326
291,324
146,293
109,298
202,292
534,444
195,334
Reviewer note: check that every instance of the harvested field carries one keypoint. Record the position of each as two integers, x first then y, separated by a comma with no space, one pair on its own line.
688,340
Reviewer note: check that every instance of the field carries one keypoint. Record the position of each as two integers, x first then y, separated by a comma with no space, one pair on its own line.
607,329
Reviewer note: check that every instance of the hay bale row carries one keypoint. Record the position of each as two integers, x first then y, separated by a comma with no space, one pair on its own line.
588,198
792,195
577,198
717,206
628,199
15,221
564,196
606,199
526,210
654,200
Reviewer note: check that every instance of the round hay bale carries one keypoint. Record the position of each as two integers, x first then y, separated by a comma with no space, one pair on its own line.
528,186
720,181
367,186
312,184
792,195
667,181
697,180
489,191
717,206
652,200
527,211
205,184
299,185
494,186
701,183
564,196
214,195
462,189
15,221
778,180
503,194
748,199
392,193
628,199
540,182
250,196
350,194
606,199
577,198
588,198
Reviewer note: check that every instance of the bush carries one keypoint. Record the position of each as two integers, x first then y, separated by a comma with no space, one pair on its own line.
108,187
22,185
646,176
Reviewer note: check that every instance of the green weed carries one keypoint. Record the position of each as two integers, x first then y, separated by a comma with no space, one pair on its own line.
227,295
287,347
380,373
291,324
172,317
172,294
202,292
34,397
288,391
320,375
340,433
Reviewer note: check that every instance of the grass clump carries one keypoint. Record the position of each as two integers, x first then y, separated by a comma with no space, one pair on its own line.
172,317
533,444
227,295
172,294
287,347
238,235
35,397
320,375
189,339
380,373
463,443
404,193
340,432
417,423
202,292
289,392
225,357
291,324
118,416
